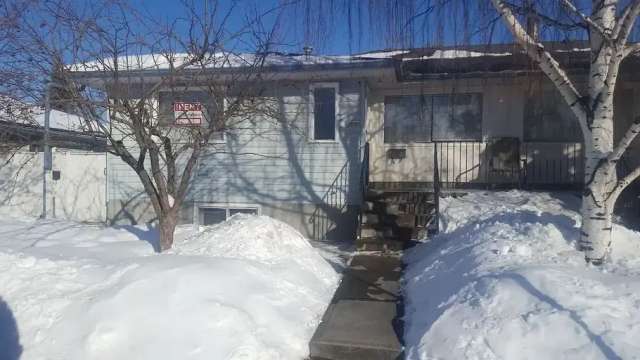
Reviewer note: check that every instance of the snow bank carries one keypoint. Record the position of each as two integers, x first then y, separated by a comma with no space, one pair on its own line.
504,281
252,238
86,292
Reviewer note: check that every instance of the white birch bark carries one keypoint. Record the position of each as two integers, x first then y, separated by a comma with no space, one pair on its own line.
608,38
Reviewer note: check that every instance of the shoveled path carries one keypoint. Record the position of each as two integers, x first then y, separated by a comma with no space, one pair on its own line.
364,319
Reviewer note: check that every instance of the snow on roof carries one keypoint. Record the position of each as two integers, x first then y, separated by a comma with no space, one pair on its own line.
455,54
60,120
384,54
218,60
12,110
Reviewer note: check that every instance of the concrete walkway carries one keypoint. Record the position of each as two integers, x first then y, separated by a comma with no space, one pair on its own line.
364,318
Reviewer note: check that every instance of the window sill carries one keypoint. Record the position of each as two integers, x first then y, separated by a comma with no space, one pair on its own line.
330,141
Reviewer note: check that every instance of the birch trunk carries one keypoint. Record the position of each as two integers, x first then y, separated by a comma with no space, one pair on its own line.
599,173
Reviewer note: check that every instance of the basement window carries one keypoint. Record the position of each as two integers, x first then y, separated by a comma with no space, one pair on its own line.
323,111
215,214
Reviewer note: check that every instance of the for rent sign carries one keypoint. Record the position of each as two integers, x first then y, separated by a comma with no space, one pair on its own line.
187,113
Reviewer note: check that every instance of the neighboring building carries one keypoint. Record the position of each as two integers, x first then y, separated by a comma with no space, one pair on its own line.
76,185
431,119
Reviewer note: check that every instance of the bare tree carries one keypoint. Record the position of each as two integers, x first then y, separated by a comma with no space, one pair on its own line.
609,32
129,77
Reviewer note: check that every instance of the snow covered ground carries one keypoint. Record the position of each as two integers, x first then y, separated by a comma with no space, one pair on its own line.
504,280
250,288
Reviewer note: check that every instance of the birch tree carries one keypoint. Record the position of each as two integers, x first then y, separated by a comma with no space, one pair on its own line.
609,28
97,58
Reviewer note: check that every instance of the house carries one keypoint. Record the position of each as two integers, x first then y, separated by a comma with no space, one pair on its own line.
402,124
75,185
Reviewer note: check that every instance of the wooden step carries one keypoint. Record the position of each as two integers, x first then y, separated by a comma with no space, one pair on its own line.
368,231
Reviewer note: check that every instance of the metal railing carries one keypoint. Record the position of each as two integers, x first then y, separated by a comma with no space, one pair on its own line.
331,206
436,192
507,163
364,185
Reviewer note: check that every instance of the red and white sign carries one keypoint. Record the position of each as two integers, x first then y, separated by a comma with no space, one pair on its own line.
187,113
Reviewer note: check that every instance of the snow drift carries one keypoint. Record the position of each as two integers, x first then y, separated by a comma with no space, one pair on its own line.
251,288
504,280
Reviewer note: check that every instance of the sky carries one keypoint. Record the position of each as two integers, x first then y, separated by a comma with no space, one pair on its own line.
336,27
290,28
350,27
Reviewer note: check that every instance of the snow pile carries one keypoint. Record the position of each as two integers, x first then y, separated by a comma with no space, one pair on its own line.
252,238
87,292
504,281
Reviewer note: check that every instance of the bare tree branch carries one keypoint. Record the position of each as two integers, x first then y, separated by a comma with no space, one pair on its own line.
631,49
606,34
625,22
548,65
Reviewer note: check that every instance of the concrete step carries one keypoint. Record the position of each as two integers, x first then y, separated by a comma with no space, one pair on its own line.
358,330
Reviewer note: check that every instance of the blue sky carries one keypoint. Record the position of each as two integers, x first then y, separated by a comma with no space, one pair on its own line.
291,29
460,22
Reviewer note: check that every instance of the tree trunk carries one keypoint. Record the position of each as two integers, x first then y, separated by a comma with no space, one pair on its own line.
596,226
167,224
600,175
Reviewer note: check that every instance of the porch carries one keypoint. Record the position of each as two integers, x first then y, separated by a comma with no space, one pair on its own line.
399,185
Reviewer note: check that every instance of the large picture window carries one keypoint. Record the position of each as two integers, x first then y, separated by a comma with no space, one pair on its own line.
406,119
457,117
548,118
420,118
324,102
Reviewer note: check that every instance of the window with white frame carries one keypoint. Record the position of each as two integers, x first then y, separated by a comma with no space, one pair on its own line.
217,213
190,108
324,111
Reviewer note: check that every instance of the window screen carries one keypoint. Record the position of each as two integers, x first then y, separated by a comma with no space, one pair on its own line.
457,117
212,216
324,113
547,117
406,119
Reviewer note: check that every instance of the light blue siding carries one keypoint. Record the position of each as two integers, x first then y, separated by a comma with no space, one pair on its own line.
269,162
275,161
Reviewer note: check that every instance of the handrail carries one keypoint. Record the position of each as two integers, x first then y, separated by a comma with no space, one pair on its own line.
364,172
335,199
436,189
364,185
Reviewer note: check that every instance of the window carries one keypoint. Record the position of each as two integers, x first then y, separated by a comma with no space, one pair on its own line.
547,117
211,215
457,117
406,119
189,108
324,111
422,118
